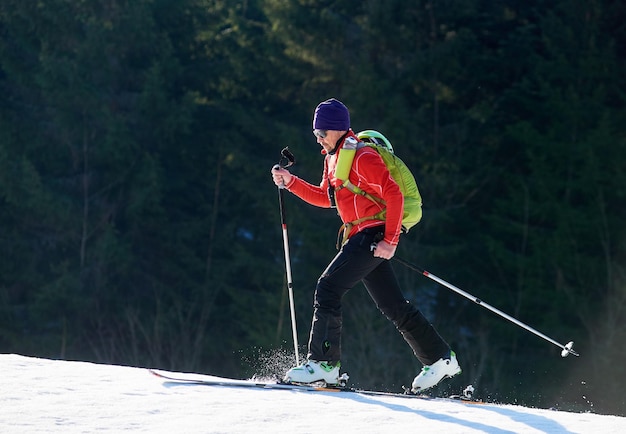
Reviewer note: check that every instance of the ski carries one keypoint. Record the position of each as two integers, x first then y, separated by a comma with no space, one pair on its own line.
206,380
228,382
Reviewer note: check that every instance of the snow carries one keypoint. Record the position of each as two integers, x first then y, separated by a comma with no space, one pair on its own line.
53,396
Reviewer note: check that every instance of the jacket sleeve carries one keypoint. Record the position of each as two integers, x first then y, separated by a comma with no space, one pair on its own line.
378,182
314,194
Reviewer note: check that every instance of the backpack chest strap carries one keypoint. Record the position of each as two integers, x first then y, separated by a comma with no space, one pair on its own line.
356,190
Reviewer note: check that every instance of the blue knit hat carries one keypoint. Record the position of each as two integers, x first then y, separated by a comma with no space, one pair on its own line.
331,115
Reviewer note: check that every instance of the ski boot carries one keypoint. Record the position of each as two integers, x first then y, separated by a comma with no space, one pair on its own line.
431,375
313,371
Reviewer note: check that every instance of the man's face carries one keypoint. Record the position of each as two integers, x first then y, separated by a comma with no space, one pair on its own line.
327,138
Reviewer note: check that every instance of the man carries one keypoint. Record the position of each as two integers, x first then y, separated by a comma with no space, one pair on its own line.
357,260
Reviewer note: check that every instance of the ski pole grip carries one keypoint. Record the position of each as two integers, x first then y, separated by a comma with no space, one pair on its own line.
378,237
276,167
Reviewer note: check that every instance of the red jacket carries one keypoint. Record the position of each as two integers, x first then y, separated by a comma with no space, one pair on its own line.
369,173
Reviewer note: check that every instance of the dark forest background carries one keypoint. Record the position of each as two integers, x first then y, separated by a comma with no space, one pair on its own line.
139,224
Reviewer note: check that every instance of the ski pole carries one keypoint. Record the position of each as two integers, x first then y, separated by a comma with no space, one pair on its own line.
290,160
566,349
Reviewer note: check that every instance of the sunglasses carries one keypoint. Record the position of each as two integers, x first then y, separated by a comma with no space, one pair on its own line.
320,133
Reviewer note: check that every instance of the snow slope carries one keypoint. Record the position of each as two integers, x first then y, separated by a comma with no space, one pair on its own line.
49,396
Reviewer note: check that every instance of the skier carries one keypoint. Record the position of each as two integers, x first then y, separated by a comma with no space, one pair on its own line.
363,257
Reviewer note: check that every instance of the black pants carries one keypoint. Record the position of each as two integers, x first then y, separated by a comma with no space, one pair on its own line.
355,262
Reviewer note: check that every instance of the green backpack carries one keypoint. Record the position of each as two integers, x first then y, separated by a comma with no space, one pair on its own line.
398,170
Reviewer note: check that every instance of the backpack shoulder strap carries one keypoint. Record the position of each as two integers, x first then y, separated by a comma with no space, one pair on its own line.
346,157
344,165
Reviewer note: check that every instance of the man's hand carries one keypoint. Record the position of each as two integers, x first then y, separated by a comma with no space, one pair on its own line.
384,250
281,177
